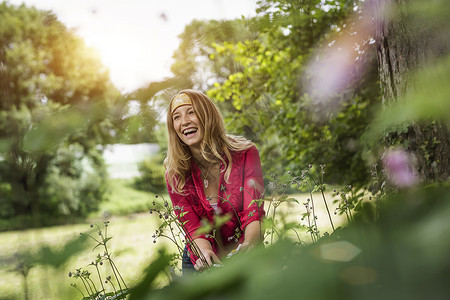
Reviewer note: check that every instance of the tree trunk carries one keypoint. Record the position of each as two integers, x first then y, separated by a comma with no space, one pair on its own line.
406,42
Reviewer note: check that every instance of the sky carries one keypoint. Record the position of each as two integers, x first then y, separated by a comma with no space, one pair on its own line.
136,38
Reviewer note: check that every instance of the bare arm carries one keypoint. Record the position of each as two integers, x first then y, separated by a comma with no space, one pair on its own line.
252,235
253,208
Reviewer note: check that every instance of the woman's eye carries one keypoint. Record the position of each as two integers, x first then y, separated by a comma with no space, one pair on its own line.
176,118
191,112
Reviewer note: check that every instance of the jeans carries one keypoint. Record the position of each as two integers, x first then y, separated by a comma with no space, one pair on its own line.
187,266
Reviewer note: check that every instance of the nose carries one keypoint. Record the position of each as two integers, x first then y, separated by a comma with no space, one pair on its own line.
185,119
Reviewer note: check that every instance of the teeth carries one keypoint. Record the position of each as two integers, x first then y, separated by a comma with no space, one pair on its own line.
188,131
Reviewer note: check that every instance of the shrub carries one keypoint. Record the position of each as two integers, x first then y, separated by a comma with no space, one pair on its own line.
73,187
152,176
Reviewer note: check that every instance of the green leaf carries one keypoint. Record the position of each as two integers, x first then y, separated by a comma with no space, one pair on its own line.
292,200
205,228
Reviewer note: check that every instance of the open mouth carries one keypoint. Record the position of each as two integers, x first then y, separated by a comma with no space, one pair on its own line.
189,132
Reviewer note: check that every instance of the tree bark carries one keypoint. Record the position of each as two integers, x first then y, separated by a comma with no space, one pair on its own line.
405,43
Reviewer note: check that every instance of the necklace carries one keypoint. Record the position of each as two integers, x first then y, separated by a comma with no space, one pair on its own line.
205,177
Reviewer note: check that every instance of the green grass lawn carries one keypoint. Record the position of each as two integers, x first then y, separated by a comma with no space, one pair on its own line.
132,247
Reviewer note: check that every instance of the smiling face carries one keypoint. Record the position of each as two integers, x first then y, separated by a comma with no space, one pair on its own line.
187,126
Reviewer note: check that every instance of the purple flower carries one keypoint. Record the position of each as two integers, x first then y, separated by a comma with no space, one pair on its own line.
399,169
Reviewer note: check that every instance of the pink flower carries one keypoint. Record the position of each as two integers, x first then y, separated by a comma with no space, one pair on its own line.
399,170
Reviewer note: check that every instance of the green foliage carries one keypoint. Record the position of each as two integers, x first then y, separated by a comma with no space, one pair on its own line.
362,261
140,122
191,58
69,188
57,105
265,102
152,176
162,139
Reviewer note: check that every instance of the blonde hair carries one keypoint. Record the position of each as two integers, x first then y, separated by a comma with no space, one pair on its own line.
216,142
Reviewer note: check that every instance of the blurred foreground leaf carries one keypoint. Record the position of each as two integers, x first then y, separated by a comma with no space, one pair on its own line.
50,256
144,288
56,127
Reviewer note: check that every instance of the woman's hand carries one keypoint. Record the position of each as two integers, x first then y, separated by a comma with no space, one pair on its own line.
210,257
208,253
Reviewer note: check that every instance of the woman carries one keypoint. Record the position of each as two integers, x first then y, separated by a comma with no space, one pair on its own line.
210,174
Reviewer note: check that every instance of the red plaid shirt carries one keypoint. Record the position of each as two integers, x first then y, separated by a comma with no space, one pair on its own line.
235,200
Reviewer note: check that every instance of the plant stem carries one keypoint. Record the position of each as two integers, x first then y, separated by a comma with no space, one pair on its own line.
326,206
273,226
175,242
87,287
89,281
123,281
313,210
100,278
300,241
232,207
180,249
82,294
113,267
114,287
25,287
